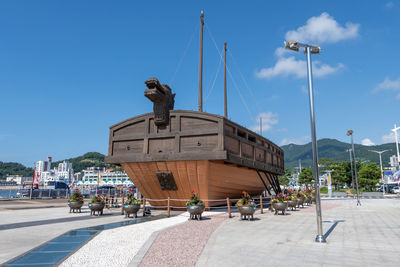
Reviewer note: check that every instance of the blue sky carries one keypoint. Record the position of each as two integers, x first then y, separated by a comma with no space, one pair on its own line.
71,69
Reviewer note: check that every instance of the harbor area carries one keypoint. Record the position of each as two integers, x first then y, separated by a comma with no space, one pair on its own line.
366,235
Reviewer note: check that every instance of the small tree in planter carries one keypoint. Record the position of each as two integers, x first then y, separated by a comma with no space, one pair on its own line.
97,204
300,198
195,207
280,203
292,200
75,201
308,197
132,205
246,206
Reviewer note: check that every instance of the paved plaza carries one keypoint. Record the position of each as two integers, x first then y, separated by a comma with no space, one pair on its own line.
366,235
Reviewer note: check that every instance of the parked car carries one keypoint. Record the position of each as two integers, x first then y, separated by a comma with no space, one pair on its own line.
396,190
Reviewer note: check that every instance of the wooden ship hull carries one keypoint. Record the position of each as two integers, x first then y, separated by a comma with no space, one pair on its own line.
198,151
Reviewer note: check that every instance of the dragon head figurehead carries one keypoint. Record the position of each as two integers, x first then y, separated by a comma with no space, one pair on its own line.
162,98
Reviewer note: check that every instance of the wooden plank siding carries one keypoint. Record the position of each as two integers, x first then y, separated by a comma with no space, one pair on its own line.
191,135
207,153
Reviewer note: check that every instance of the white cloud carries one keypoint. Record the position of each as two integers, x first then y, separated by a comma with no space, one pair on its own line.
388,138
367,142
323,29
389,85
298,141
389,5
268,120
289,66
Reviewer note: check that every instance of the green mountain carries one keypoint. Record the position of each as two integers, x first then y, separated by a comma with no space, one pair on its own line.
90,159
335,150
10,168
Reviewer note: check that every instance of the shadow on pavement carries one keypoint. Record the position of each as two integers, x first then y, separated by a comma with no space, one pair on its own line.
332,227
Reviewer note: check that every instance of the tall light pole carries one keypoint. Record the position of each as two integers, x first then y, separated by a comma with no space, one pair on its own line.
350,133
395,129
380,160
351,168
312,49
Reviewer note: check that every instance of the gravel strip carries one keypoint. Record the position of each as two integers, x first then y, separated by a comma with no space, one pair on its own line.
117,247
181,245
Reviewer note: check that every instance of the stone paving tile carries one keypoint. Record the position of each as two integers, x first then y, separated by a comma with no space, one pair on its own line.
365,236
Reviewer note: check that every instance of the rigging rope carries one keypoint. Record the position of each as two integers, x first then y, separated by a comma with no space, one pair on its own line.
244,81
215,78
184,54
229,72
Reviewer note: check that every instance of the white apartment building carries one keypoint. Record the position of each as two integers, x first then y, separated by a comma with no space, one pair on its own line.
64,172
95,176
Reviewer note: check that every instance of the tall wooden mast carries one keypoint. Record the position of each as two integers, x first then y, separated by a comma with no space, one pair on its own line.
225,93
201,64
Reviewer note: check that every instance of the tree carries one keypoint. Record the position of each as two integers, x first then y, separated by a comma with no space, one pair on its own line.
369,175
339,178
306,176
284,179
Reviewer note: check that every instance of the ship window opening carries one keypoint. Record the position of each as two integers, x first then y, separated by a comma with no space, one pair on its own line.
128,148
159,151
198,143
251,138
241,134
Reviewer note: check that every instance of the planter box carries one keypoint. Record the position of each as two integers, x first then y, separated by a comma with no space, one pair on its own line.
300,201
246,212
292,204
280,206
96,207
75,206
195,212
131,209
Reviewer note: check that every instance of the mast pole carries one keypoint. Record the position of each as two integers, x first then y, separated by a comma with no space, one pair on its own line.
225,93
201,63
260,125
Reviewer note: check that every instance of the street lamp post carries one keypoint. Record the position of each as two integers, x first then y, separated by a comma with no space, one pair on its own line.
351,168
350,133
395,129
380,160
312,49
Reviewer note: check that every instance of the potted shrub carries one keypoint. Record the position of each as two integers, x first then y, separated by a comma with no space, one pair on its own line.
308,197
75,201
292,200
97,205
280,203
300,198
313,196
195,207
131,205
246,206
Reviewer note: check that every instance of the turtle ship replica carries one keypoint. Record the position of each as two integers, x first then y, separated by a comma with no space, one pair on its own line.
169,153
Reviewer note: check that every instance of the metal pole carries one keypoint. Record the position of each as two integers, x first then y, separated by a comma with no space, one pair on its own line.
397,142
355,170
225,93
260,125
383,181
201,63
320,237
352,176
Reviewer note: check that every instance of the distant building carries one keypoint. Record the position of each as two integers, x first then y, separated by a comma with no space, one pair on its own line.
42,166
63,172
18,179
394,162
101,176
